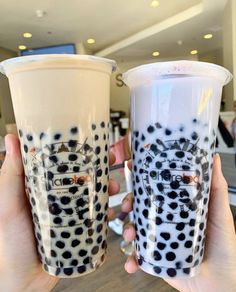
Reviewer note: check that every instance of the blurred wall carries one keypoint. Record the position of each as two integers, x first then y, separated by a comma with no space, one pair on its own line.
7,114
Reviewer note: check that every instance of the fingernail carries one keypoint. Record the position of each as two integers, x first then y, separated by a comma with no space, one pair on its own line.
8,146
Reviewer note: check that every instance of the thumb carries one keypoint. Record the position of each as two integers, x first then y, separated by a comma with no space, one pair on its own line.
219,209
12,195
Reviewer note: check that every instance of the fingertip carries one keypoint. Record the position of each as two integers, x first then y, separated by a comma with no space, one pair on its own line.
131,265
130,164
114,187
127,203
112,158
129,233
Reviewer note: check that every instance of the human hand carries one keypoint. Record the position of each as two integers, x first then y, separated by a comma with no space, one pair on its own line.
218,270
20,268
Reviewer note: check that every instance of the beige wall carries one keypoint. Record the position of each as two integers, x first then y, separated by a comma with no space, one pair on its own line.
7,115
215,57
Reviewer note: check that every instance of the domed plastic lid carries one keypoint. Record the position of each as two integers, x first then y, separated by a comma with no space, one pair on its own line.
173,69
46,61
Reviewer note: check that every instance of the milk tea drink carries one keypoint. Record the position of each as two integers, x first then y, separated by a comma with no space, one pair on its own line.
61,104
174,112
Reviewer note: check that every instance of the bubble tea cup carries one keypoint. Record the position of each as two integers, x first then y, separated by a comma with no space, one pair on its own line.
174,115
61,105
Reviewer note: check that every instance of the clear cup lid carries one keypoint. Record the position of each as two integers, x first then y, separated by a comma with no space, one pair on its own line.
53,61
149,72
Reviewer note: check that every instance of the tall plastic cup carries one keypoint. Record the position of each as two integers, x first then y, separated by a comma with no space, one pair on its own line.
61,105
174,113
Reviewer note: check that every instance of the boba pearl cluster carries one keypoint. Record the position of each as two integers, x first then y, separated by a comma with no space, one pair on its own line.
67,181
171,179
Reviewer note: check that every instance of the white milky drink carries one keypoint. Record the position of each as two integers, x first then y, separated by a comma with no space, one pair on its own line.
61,105
174,113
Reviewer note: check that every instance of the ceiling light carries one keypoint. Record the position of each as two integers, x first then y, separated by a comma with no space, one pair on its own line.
154,3
27,35
155,54
90,41
194,52
22,47
40,13
208,36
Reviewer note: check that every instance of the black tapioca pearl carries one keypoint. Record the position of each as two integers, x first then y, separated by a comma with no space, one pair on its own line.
205,200
93,127
192,222
205,166
174,245
50,175
96,137
170,217
161,245
158,165
104,244
73,190
142,137
87,260
99,239
201,252
145,213
45,267
168,132
181,236
201,226
72,143
184,214
79,231
95,250
150,129
135,168
89,240
153,147
62,168
65,234
166,174
97,150
189,259
72,157
194,136
68,211
74,263
163,154
99,216
140,190
81,269
160,187
192,232
72,223
196,263
33,202
170,256
57,220
181,129
102,124
136,144
140,221
53,253
153,173
158,125
57,136
29,137
172,195
142,232
52,234
171,272
179,154
182,140
65,200
185,167
74,130
178,265
206,178
174,184
59,264
88,222
160,198
99,172
25,148
165,235
60,244
158,220
54,209
53,158
106,171
149,159
68,271
186,271
98,187
195,121
156,255
20,133
105,160
188,244
75,242
147,202
83,252
38,235
145,245
173,205
137,179
172,165
180,226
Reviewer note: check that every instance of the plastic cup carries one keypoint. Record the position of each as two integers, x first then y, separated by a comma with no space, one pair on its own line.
61,105
174,113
